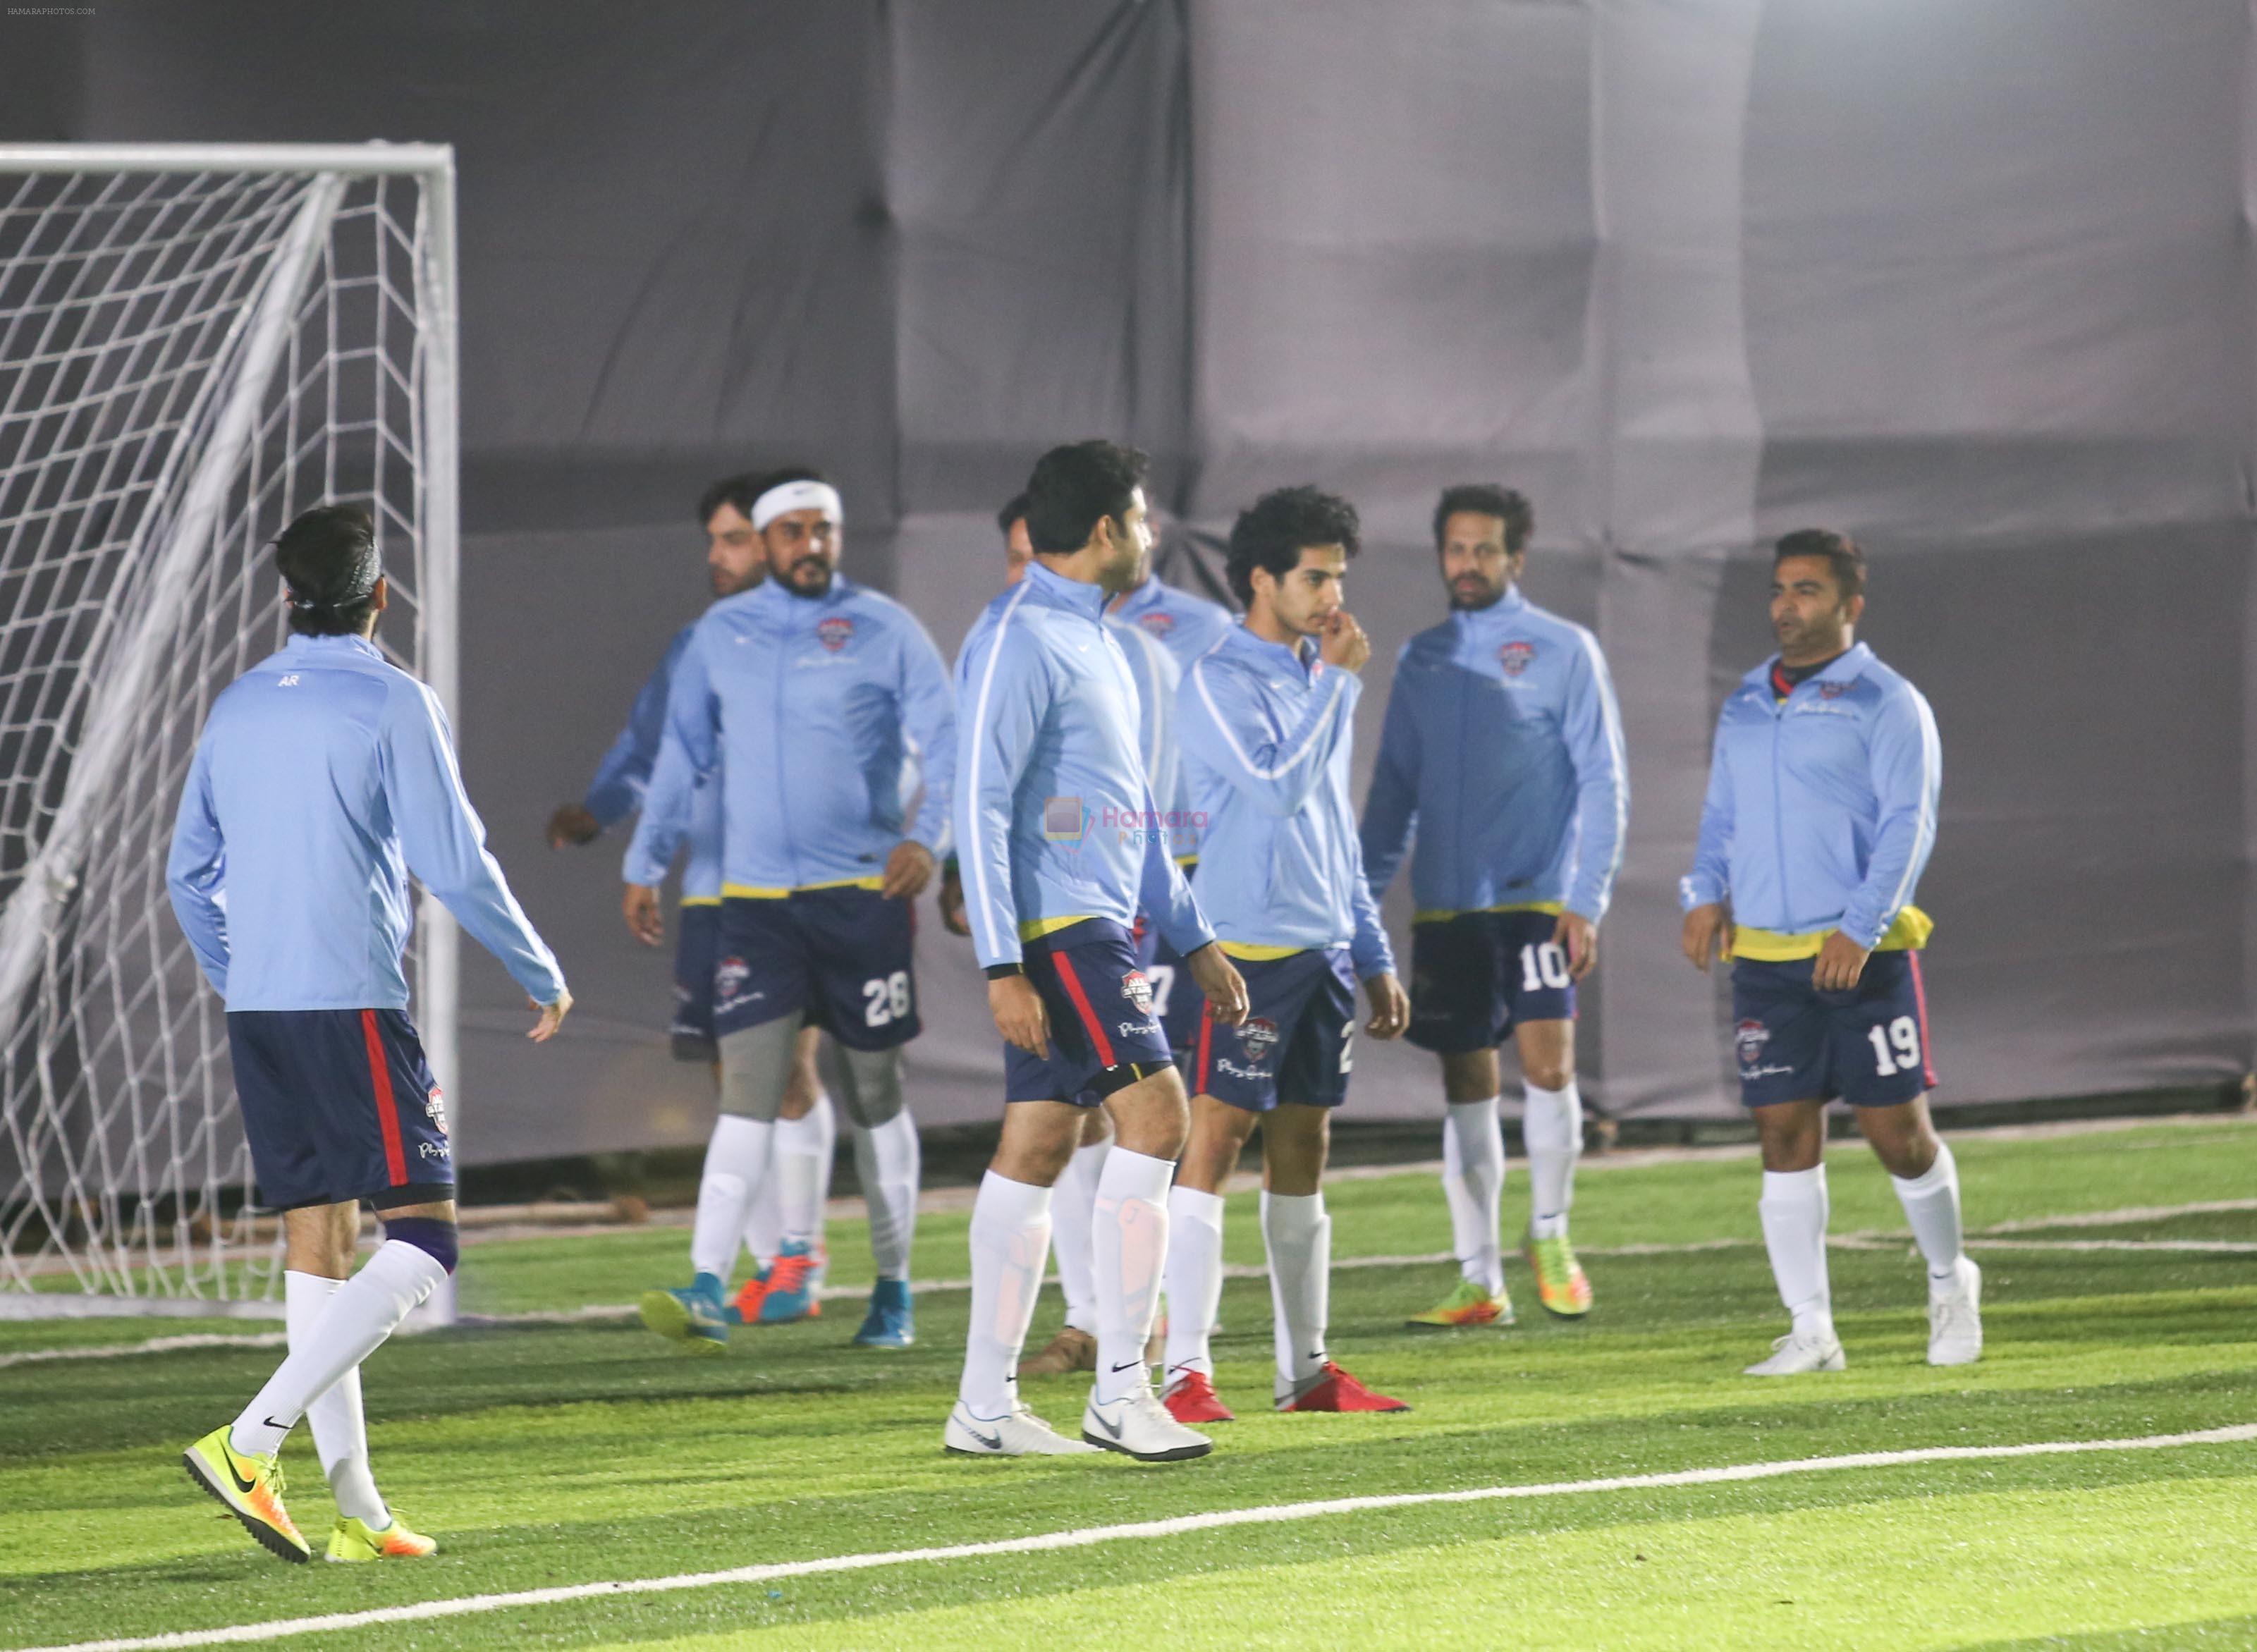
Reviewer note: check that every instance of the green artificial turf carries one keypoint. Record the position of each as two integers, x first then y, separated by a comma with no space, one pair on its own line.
559,1454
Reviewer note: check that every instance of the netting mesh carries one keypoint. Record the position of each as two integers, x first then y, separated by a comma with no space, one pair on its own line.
187,361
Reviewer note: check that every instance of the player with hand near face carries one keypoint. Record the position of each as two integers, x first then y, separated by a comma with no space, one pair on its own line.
1267,723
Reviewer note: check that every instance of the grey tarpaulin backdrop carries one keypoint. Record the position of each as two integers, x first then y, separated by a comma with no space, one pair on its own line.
1971,282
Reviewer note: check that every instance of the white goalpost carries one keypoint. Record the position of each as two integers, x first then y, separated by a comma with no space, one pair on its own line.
197,343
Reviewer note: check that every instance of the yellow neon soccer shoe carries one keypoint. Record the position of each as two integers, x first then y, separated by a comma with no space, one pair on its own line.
1560,1283
352,1542
1469,1304
251,1489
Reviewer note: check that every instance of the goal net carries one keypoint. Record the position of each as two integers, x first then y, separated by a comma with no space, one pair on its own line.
195,345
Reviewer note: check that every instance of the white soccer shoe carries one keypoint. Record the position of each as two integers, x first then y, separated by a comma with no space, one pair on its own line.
1954,1318
1793,1355
1021,1434
1137,1425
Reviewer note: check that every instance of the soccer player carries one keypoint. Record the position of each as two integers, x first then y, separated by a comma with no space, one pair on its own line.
324,777
785,1225
1267,719
1503,749
1059,833
1820,817
806,693
1074,1201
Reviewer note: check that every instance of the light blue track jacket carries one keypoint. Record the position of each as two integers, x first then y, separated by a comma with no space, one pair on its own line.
1157,677
1187,626
1503,750
1054,813
1820,813
323,777
807,706
1268,734
622,778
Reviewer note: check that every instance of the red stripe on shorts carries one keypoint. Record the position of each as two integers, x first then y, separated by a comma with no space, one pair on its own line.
388,1110
1206,1045
1919,1004
1072,983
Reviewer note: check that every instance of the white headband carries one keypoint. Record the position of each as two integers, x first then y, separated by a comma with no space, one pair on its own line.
796,496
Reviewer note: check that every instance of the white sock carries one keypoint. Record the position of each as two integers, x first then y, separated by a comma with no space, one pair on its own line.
1071,1212
803,1151
340,1430
1795,1208
1194,1274
1473,1178
1128,1251
1931,1204
359,1314
1553,1127
1299,1236
1010,1244
890,1162
737,1162
764,1218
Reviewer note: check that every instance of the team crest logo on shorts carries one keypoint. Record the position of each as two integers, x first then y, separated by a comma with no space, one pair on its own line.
1137,990
730,976
835,632
1158,625
1257,1037
1515,656
1748,1038
435,1109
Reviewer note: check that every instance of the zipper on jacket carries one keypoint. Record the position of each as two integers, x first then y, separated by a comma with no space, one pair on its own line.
782,784
1779,809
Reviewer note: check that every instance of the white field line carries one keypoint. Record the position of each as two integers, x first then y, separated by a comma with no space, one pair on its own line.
1862,1239
1270,1515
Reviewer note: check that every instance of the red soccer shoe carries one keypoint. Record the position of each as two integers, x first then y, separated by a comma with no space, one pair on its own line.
1334,1390
1191,1399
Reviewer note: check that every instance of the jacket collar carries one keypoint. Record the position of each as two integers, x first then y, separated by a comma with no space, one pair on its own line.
298,644
1509,606
1298,658
773,602
1851,667
1055,590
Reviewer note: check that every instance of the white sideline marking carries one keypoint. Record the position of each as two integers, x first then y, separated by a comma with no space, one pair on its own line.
1270,1515
1862,1239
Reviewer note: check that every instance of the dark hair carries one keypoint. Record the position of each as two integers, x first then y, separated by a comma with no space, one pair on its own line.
1839,551
744,491
1486,499
739,491
1013,508
1279,526
1075,487
328,560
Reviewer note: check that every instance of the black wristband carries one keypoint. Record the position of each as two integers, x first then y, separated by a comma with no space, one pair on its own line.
997,972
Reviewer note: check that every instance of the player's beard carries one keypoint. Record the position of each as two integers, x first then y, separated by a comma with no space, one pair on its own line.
1471,592
809,576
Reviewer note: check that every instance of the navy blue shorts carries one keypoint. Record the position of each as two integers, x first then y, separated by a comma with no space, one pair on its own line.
339,1106
1101,1014
1477,976
1867,1047
695,954
842,955
1296,1042
1176,996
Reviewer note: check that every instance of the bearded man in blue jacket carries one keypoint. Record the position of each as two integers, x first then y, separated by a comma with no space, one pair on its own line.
1820,818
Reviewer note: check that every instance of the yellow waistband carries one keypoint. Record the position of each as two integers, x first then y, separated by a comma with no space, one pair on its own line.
759,891
701,901
1908,934
1441,914
1035,928
1254,954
